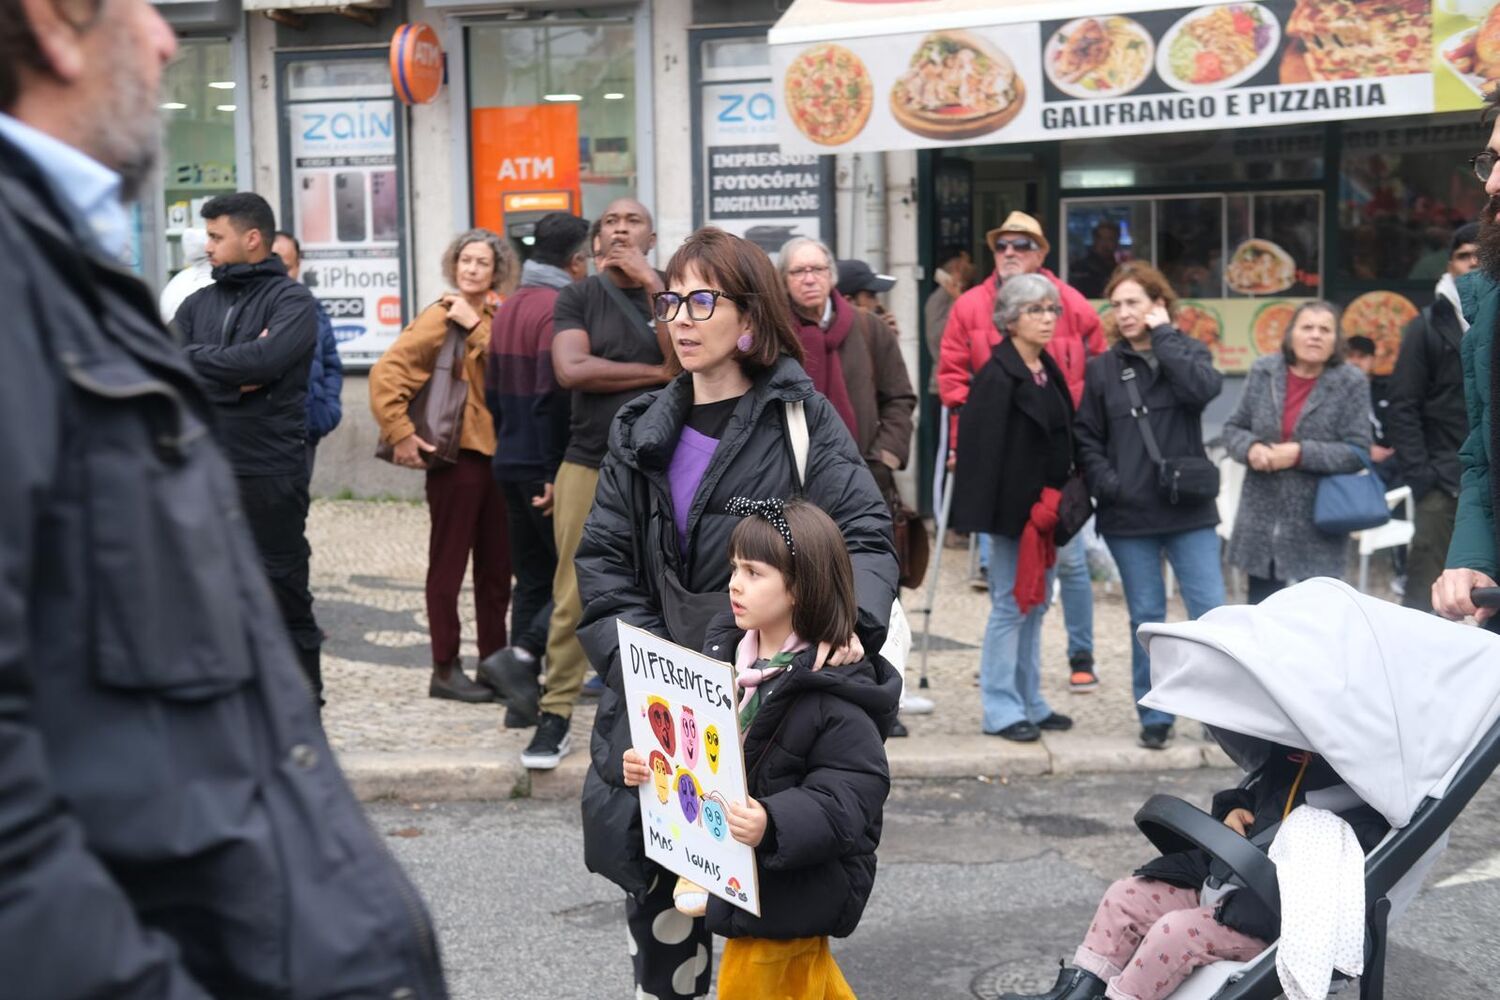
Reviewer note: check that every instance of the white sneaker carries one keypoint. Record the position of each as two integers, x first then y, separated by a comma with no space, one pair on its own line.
915,704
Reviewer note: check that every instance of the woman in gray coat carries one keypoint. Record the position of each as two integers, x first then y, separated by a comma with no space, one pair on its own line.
1301,417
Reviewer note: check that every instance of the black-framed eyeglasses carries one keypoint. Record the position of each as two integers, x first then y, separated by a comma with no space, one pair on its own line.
701,303
1023,244
1484,164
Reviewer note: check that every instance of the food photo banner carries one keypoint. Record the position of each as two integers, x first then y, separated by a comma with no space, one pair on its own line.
1116,72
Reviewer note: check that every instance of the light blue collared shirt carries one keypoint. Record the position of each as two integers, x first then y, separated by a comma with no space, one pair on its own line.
88,185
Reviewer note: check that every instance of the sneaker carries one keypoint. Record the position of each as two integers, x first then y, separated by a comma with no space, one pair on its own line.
550,744
1155,737
1081,678
898,729
1055,723
592,688
915,704
980,580
1018,732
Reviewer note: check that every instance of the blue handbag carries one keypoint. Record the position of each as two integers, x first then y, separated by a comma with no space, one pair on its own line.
1351,501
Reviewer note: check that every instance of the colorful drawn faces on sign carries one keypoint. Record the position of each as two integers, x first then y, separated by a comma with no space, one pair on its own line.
690,743
661,775
659,714
689,795
711,747
715,817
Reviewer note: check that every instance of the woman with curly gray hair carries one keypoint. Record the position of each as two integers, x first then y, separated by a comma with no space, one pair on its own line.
1015,453
468,511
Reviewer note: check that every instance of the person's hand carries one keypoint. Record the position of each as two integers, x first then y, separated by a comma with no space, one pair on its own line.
628,259
890,319
1259,457
460,312
634,768
1285,455
850,652
1157,316
1451,595
251,388
889,459
543,503
747,823
408,451
1239,820
952,459
1379,453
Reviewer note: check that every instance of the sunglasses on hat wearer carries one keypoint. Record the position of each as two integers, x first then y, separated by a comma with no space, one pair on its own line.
1020,244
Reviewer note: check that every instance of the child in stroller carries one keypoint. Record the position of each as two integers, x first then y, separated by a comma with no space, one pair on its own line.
1173,915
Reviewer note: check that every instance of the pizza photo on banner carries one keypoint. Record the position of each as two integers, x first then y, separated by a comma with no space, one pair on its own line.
683,722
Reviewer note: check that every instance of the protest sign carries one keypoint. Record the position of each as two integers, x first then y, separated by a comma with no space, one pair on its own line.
683,721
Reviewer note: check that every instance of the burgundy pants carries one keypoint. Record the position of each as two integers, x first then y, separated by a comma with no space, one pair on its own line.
1147,937
468,515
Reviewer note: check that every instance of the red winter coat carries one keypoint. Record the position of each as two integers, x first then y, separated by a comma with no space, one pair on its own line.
970,338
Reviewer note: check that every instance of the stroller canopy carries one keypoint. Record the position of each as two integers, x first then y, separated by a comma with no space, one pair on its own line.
1393,699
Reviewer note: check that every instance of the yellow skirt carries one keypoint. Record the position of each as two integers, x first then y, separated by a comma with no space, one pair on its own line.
759,969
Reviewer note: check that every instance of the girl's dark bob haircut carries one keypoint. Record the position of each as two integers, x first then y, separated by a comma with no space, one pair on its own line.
819,577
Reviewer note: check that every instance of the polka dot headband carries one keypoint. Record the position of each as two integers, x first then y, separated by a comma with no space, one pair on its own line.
773,510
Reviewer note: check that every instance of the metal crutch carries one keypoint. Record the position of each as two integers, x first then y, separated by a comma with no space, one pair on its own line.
942,491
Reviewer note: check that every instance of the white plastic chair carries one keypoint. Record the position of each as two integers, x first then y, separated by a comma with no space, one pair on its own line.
1392,534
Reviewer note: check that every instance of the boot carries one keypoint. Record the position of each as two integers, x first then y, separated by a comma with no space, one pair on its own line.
515,680
449,681
1072,984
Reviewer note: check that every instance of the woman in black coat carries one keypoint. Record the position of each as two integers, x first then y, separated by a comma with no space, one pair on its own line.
654,551
1015,453
1141,516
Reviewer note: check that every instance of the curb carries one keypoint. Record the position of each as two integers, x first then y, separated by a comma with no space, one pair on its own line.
481,776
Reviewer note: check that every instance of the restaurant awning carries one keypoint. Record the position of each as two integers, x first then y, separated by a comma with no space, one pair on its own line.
859,75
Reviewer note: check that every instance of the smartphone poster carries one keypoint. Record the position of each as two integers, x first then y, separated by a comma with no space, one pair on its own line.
346,212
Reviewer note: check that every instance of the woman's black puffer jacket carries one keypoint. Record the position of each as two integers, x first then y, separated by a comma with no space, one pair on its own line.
625,548
815,758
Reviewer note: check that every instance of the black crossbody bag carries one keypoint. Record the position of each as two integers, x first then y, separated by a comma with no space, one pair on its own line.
1190,479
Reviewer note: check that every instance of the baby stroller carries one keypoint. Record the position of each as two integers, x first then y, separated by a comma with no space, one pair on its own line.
1401,704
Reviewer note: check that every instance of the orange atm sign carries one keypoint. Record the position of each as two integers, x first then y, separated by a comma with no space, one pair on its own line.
525,160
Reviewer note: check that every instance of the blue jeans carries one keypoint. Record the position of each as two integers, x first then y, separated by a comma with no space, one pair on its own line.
1077,592
1010,661
1195,559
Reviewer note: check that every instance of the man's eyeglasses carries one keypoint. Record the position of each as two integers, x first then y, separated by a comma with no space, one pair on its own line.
1024,244
700,304
798,273
1484,164
1037,310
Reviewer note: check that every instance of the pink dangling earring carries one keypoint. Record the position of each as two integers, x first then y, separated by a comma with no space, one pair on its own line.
744,343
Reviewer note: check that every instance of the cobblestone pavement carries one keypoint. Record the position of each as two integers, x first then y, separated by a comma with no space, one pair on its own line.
369,561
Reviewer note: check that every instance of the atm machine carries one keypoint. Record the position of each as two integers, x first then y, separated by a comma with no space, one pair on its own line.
520,211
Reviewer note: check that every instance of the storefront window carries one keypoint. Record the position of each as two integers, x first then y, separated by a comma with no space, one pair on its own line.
553,119
1404,186
1255,156
198,106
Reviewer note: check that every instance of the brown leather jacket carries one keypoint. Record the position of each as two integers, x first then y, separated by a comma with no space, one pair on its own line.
407,365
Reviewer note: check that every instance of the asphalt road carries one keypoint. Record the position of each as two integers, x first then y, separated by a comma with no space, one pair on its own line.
982,887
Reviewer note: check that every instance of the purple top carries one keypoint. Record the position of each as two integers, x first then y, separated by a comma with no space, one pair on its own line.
689,463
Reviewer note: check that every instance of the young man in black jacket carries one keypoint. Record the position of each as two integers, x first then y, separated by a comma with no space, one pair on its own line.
1426,421
250,336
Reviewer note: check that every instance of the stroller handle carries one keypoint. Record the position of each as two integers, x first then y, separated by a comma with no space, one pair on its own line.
1485,597
1173,825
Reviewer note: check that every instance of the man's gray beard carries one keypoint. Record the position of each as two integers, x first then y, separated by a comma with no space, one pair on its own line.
1489,243
126,135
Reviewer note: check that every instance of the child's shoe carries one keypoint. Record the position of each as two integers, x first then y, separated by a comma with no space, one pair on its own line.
692,899
1072,984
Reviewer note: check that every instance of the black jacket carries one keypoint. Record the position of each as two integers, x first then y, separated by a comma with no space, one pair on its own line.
264,431
624,549
1111,448
1265,795
172,821
1010,443
815,759
1426,421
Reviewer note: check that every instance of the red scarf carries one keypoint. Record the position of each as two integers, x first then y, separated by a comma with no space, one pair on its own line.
821,348
1038,552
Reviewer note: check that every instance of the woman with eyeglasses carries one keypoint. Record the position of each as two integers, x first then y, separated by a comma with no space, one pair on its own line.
655,548
1015,453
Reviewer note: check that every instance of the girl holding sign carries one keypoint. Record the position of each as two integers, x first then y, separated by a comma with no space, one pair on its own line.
814,753
653,549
